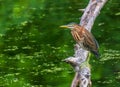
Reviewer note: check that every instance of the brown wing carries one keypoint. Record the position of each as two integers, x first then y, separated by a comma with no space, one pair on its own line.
89,41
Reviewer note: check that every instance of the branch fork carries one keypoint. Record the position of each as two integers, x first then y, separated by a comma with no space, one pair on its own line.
80,60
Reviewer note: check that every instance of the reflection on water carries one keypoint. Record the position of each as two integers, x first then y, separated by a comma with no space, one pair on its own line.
32,45
110,55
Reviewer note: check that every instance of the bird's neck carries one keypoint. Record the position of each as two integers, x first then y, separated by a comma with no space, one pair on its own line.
78,28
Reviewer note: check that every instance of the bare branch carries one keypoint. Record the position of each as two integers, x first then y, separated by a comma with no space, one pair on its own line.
80,60
82,10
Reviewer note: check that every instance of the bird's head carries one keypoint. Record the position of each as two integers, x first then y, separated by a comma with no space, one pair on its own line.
70,26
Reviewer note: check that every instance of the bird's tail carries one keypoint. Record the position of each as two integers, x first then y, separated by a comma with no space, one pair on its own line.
96,53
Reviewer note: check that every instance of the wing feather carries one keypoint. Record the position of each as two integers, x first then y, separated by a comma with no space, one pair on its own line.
90,41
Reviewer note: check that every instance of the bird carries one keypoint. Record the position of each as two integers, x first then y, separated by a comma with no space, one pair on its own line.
84,38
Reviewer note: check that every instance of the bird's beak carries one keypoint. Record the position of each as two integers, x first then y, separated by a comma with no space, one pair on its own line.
64,26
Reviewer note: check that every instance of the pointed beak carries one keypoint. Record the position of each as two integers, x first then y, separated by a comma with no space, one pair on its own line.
64,26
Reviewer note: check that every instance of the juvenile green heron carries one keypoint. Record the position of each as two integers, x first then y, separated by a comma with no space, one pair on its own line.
84,38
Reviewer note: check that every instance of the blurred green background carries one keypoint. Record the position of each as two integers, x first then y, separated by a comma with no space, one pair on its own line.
32,45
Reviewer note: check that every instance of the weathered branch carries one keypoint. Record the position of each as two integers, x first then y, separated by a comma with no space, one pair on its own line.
80,61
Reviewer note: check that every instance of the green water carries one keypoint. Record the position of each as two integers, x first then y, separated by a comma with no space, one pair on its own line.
32,44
